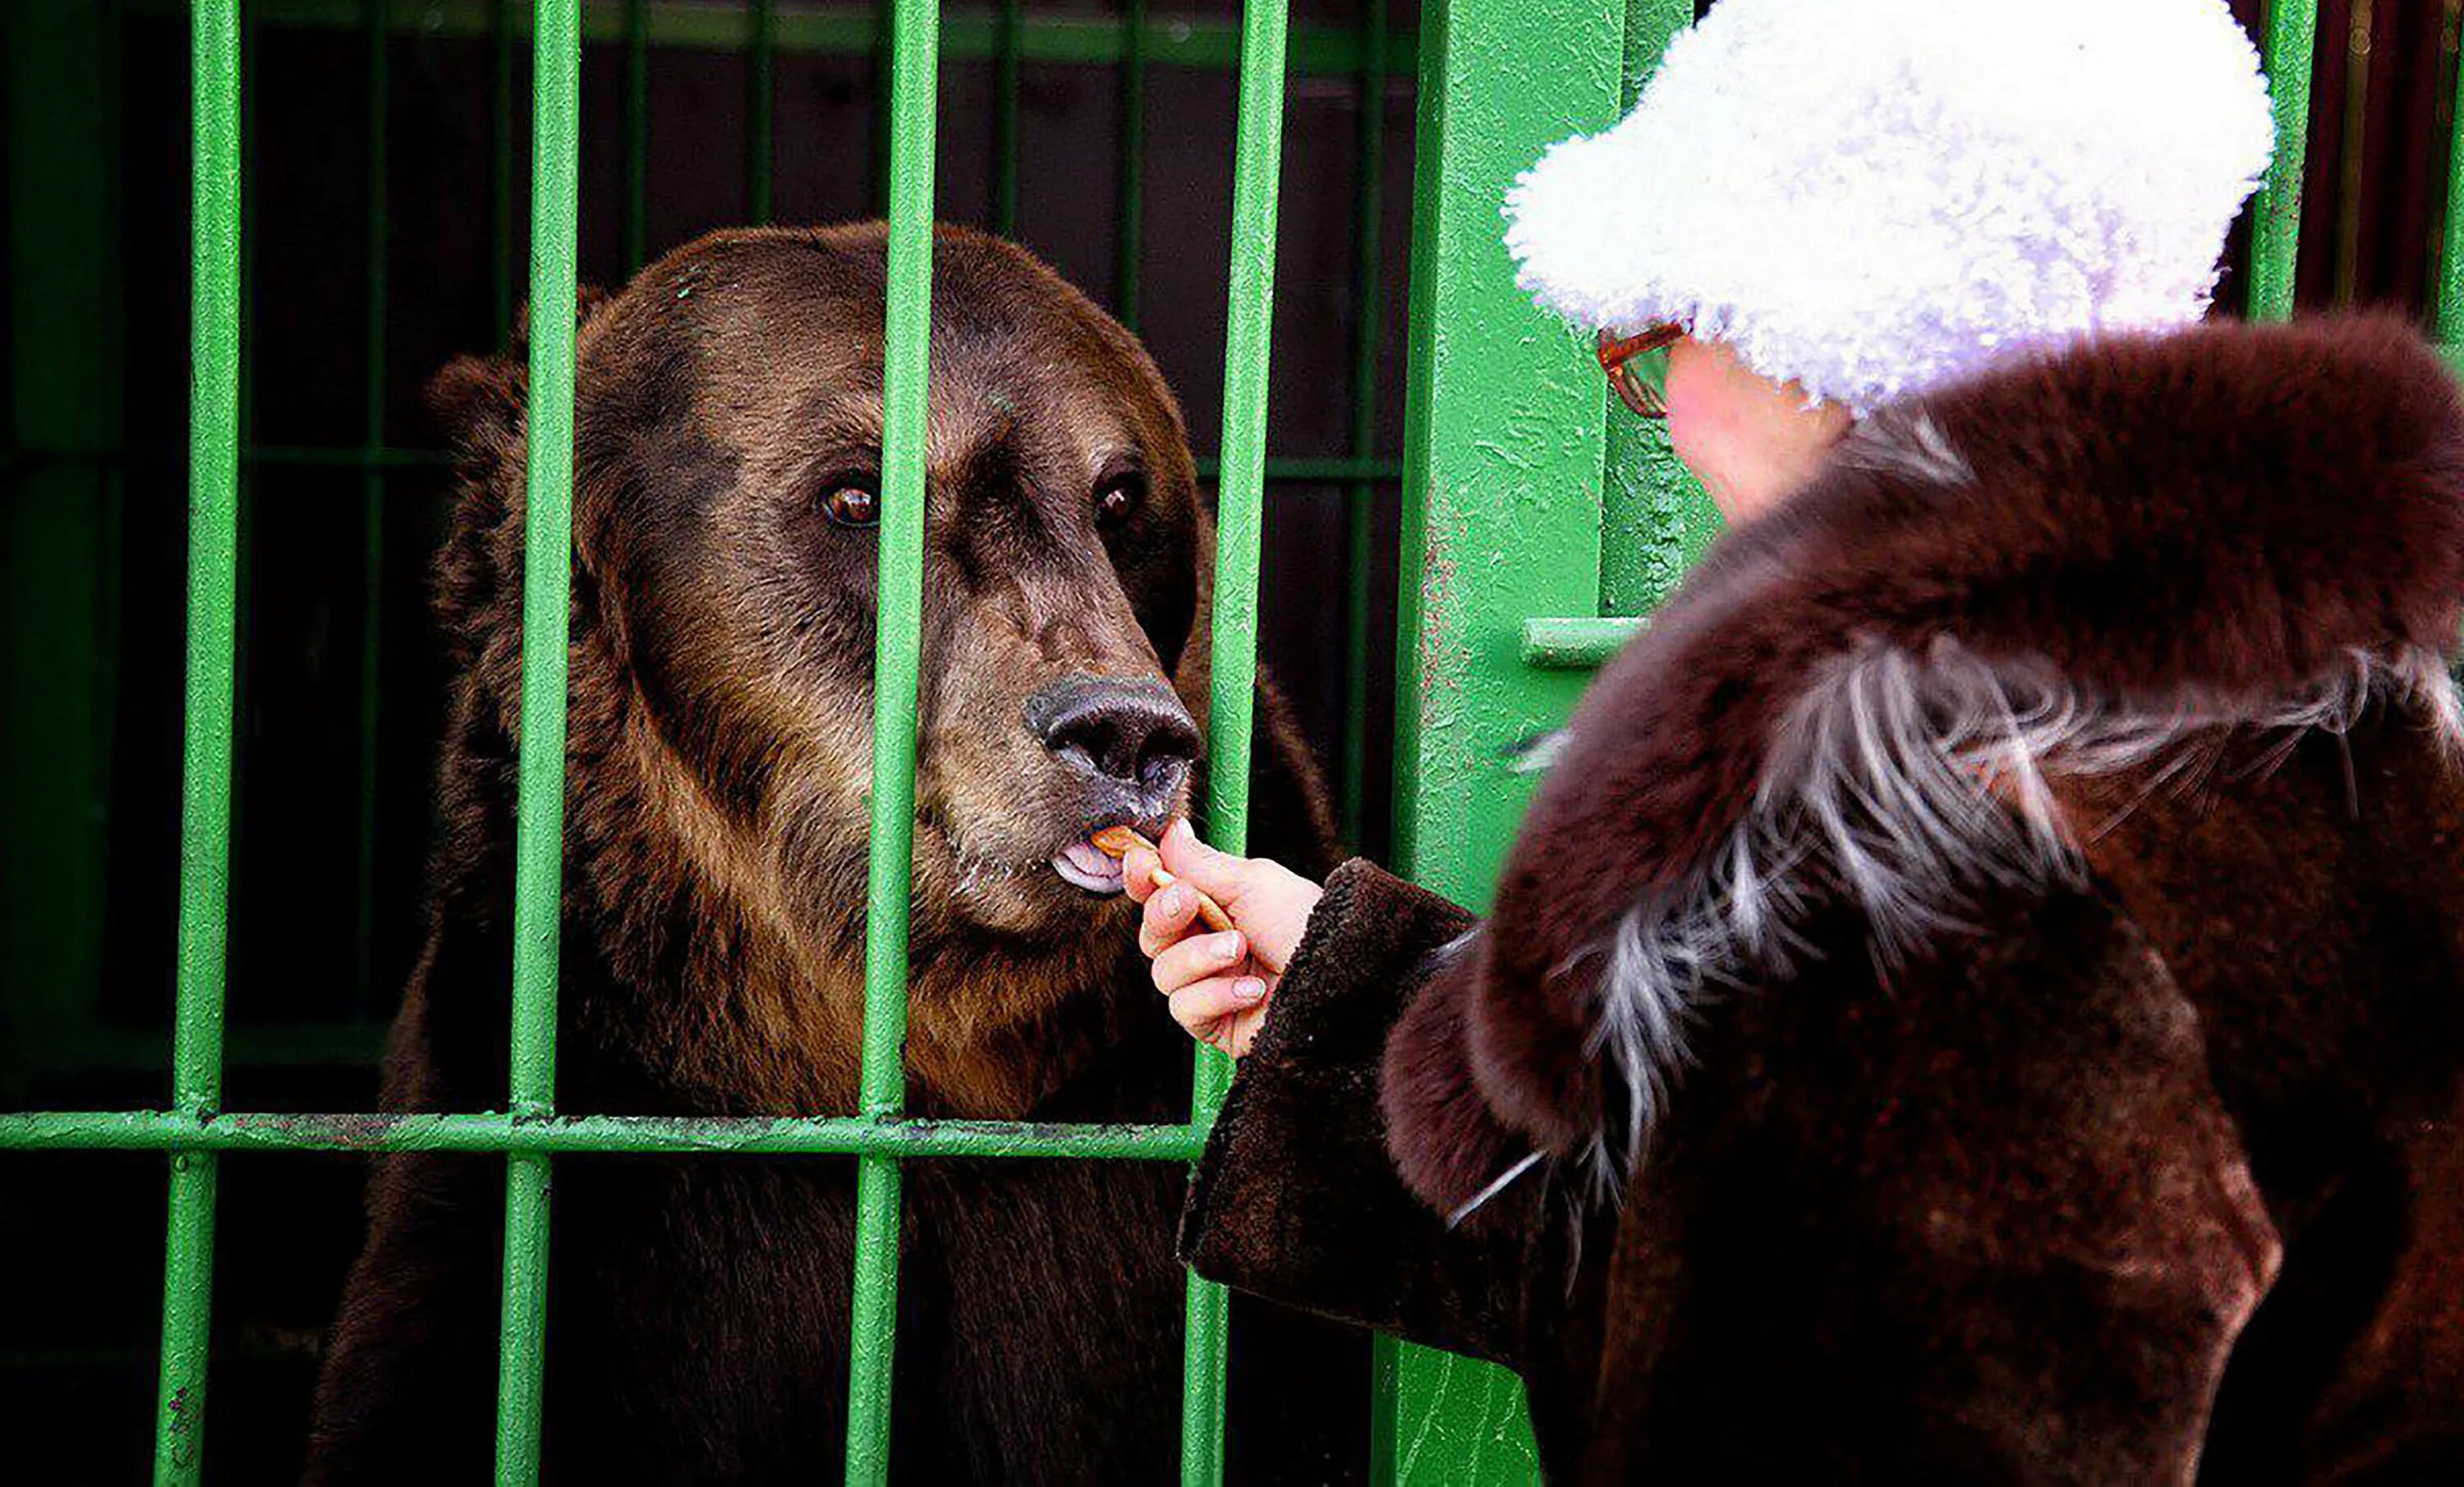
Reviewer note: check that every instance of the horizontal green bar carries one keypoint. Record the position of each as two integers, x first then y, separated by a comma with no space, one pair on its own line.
1294,470
1575,644
164,1130
855,31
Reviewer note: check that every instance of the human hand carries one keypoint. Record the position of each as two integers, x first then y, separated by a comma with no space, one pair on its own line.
1221,983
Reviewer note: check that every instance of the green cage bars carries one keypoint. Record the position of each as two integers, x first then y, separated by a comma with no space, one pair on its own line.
1562,578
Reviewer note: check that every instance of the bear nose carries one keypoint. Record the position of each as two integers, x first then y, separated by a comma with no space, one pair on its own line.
1135,732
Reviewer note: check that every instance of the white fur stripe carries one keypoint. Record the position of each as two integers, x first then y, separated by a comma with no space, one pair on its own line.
1912,781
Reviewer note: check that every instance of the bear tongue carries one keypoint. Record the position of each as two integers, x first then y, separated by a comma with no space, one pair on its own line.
1088,866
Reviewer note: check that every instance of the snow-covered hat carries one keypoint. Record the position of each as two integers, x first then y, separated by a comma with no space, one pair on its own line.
1873,196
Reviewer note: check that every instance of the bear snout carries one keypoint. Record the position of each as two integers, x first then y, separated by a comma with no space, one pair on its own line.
1126,743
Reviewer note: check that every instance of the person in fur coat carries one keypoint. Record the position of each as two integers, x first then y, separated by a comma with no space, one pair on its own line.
1979,995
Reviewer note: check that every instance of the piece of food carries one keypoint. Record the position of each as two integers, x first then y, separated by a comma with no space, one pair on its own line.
1117,840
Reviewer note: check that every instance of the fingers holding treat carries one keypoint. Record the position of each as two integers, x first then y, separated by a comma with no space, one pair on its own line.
1223,1012
1169,911
1198,958
1142,864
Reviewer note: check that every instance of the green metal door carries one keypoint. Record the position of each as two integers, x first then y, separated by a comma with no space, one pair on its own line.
1545,523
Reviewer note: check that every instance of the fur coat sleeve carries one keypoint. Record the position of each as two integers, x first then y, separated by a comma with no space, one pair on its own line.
1296,1199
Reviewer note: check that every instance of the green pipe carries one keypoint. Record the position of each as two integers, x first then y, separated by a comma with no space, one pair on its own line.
636,164
1368,206
1178,40
897,654
1240,511
1575,644
2449,289
1131,212
252,40
2276,231
186,1131
206,748
538,834
187,1318
372,394
758,102
1006,20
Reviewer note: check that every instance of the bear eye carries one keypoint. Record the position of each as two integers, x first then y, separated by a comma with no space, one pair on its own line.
851,503
1118,498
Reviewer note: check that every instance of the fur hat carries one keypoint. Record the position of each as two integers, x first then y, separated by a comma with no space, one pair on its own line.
1873,196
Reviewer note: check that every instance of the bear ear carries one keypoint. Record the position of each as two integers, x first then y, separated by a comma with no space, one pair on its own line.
588,300
479,401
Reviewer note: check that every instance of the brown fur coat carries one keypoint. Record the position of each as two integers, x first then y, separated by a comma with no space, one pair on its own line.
1985,970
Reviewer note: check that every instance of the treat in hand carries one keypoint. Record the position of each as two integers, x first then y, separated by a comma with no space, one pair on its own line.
1118,841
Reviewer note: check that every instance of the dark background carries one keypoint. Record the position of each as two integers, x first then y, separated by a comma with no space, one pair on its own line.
331,834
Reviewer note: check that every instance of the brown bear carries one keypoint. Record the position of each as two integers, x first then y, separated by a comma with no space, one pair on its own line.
725,493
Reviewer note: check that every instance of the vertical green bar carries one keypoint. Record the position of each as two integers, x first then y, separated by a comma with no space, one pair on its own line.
2276,231
372,399
914,46
539,839
2451,260
1368,206
637,134
760,103
1007,17
205,751
1502,450
1655,519
1240,512
1132,213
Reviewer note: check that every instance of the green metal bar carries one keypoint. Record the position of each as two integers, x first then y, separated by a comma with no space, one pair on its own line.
188,1319
205,752
760,101
636,165
851,30
184,1131
1368,327
372,398
897,662
1655,519
2449,290
539,836
251,38
1131,213
1008,16
1239,519
1575,643
2276,232
1502,451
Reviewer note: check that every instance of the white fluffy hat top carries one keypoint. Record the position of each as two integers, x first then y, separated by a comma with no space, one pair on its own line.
1873,196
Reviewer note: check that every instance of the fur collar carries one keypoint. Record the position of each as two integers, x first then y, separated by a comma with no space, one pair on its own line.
2078,564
